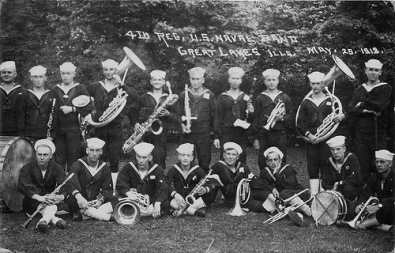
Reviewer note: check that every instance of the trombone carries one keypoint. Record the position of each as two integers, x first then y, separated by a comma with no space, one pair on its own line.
282,210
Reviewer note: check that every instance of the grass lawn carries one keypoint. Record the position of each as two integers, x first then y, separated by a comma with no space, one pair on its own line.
217,232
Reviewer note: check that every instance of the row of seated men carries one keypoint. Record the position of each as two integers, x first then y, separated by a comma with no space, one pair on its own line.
89,193
226,116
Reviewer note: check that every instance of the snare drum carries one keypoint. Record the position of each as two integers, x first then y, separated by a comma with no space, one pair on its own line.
15,153
328,206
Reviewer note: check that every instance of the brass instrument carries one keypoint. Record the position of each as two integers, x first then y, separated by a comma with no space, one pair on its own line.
362,214
188,115
50,120
243,193
279,109
137,136
328,127
283,210
119,102
128,211
43,204
190,199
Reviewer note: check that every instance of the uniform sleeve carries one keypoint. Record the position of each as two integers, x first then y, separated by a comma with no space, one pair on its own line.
107,187
368,191
134,111
74,183
378,99
60,178
161,194
258,111
25,182
123,180
265,179
289,110
170,180
302,119
288,179
218,119
212,110
326,178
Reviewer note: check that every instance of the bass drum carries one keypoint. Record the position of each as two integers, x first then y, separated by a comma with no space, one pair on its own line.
328,206
15,153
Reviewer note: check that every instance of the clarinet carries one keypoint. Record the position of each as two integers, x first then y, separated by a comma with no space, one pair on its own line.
43,204
188,115
50,120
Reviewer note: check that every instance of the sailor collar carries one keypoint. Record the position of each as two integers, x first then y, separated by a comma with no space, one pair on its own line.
317,103
138,171
68,88
92,172
237,167
227,93
369,89
39,98
189,172
335,165
272,96
13,88
108,89
156,98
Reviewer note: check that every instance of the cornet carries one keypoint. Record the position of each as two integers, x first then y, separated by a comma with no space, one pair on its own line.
279,109
362,214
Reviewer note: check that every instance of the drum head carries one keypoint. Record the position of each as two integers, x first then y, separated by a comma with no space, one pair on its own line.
327,207
15,154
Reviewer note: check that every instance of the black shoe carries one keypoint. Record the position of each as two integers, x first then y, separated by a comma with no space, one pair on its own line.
391,230
294,216
77,216
61,224
42,226
200,213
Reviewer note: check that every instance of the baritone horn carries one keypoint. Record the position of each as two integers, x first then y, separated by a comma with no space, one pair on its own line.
243,193
279,109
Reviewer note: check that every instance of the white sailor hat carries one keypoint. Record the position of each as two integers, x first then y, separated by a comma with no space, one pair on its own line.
236,71
67,66
233,145
143,148
7,65
95,143
316,77
197,72
384,154
336,141
271,72
38,71
185,148
158,74
45,142
111,64
373,63
273,150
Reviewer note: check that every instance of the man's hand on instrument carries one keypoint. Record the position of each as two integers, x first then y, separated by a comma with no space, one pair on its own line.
358,208
202,190
250,108
275,193
335,186
117,78
131,195
81,201
339,117
256,145
179,199
372,112
312,139
58,198
95,203
66,109
185,129
164,113
217,143
138,128
372,209
156,212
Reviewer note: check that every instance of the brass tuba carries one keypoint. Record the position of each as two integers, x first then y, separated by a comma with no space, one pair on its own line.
243,193
328,127
127,212
137,136
119,102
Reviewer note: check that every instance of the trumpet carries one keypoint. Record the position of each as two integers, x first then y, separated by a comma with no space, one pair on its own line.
363,213
279,109
137,136
243,193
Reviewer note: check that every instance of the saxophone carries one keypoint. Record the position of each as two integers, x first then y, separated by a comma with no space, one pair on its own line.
137,136
190,199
